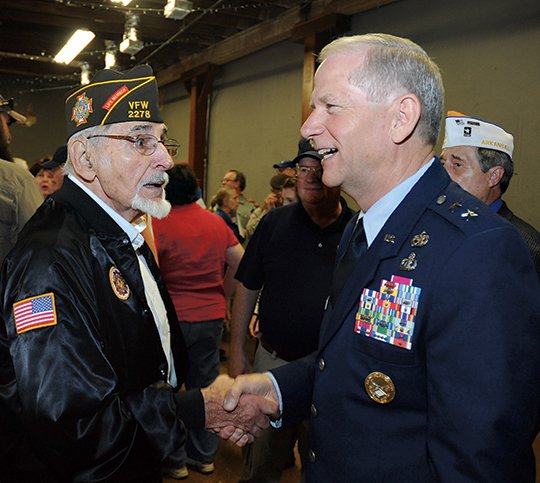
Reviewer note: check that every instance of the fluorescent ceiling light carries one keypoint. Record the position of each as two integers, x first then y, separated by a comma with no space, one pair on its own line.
85,73
131,44
110,54
78,41
177,9
125,3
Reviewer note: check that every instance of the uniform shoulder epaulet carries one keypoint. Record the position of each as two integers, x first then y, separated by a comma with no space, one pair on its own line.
463,210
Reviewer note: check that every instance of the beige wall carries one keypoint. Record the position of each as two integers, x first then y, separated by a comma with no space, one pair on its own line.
487,50
49,131
254,117
488,54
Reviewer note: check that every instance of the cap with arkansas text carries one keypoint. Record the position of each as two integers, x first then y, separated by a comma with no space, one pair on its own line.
113,97
462,130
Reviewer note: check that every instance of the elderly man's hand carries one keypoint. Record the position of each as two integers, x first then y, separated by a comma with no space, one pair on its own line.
241,423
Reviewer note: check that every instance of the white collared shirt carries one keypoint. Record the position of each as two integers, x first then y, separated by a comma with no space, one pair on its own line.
151,290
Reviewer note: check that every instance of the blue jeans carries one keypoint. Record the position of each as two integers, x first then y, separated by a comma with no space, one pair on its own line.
203,340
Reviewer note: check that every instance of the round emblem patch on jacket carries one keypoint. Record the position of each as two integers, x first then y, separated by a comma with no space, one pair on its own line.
118,284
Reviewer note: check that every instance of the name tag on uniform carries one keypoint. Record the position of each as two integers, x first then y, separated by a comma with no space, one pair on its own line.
389,314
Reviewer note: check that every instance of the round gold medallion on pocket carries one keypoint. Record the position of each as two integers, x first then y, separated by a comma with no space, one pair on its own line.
380,387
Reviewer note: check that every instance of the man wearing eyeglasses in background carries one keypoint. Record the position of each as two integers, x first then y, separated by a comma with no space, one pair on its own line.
91,349
19,195
293,292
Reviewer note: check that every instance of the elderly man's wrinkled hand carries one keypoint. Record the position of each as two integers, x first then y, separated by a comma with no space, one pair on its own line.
241,424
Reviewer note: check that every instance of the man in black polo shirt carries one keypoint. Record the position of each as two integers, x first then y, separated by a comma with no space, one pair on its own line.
290,261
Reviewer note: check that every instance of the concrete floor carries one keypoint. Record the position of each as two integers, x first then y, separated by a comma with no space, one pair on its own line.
229,467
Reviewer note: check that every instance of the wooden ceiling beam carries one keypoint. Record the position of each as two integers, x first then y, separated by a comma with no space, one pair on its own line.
24,67
108,22
263,35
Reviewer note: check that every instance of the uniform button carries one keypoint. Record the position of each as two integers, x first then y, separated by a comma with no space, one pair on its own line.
313,410
311,455
125,241
145,312
320,245
321,364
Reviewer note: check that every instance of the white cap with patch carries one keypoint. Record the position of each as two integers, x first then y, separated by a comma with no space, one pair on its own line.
462,130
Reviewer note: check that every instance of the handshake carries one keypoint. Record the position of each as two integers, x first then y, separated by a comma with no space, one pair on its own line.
239,409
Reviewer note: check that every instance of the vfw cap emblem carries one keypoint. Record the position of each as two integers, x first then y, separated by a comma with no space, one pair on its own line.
82,109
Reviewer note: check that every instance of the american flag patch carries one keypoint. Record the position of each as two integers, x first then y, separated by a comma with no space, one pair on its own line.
34,313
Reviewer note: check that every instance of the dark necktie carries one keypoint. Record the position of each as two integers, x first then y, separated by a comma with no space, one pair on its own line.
355,249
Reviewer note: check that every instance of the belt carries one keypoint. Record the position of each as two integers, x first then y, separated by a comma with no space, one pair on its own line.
267,347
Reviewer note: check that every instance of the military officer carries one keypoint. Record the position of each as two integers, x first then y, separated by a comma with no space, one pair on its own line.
428,366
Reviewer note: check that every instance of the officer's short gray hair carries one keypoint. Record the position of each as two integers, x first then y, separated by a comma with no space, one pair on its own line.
395,65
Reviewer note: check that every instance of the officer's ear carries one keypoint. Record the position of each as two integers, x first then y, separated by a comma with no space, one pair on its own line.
495,175
406,112
81,160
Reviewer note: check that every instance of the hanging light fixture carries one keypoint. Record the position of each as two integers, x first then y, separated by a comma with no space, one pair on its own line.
78,41
177,9
85,73
131,44
110,54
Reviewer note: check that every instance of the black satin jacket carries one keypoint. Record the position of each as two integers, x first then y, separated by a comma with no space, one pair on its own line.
84,399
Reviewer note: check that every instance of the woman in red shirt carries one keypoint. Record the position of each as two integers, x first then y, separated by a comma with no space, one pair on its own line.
198,256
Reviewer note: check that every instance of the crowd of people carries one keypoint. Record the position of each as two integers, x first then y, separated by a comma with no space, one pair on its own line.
408,329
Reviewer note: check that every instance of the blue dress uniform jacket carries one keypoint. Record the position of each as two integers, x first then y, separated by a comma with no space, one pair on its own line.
466,393
86,395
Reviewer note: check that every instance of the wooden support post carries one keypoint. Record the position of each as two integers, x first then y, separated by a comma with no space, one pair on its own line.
315,34
199,83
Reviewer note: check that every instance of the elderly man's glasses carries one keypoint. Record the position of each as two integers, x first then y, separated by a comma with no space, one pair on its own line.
145,144
303,171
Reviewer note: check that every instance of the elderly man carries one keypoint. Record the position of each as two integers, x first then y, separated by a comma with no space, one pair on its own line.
478,156
19,195
90,347
428,365
292,300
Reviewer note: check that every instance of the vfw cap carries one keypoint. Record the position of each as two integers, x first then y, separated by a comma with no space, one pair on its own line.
113,97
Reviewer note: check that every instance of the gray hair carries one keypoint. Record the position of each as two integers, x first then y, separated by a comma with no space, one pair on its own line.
394,65
488,158
68,166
